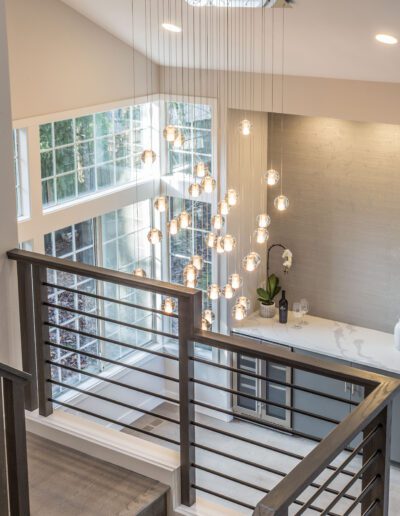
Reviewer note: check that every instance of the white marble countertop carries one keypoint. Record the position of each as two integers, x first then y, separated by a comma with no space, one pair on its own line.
354,344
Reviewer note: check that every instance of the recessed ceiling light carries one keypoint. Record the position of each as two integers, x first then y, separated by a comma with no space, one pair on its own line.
387,39
171,27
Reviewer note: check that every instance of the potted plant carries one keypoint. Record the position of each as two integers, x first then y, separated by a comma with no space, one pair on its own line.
266,296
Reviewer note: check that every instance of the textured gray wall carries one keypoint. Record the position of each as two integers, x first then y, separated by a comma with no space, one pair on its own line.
343,225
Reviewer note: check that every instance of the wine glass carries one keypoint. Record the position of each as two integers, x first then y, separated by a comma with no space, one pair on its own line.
304,309
297,315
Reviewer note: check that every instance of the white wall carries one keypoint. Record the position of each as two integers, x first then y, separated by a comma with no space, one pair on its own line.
59,60
9,331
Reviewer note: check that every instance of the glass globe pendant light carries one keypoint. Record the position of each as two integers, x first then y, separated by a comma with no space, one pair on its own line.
213,292
263,220
190,283
281,203
148,157
170,133
160,204
219,245
245,127
208,315
195,190
223,207
228,243
205,325
239,312
184,219
197,261
261,235
244,301
217,222
271,177
235,280
228,291
168,305
154,236
139,272
208,184
251,262
210,240
179,141
173,227
190,272
232,197
201,169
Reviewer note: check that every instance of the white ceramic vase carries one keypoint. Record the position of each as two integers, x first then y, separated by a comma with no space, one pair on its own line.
267,311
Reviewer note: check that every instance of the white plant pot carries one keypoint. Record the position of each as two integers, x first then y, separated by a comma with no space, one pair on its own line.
267,311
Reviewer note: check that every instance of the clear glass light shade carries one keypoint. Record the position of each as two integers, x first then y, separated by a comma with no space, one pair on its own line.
201,169
195,190
210,240
205,325
228,291
245,127
148,157
239,312
160,204
208,184
208,315
154,236
170,133
190,272
139,272
168,305
197,261
184,220
235,280
281,203
228,243
213,291
232,197
271,177
217,222
261,235
223,207
244,301
179,141
251,262
173,227
263,220
190,283
219,245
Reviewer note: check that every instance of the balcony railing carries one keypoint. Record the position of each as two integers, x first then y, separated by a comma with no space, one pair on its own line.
87,333
14,490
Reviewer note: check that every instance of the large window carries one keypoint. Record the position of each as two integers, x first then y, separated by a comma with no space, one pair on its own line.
84,155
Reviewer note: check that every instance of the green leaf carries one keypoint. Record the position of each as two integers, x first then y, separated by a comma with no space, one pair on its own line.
262,293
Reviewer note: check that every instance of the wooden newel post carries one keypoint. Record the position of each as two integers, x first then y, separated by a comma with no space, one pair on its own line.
189,320
41,336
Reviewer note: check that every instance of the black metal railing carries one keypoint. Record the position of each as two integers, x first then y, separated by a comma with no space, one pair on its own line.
14,488
86,338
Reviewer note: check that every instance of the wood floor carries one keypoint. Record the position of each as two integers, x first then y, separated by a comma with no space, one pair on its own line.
64,482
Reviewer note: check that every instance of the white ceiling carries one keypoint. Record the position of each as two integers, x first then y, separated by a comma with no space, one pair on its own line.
323,38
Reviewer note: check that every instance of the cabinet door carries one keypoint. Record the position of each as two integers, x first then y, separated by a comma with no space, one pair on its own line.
319,404
246,384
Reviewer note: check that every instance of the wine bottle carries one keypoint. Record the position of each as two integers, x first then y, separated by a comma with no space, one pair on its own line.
283,308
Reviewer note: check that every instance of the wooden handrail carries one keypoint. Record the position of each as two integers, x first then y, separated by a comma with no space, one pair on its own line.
12,374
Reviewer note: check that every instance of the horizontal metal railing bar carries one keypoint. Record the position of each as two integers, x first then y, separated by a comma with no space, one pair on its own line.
285,357
223,497
10,373
361,497
371,508
110,400
263,468
343,492
110,320
111,341
266,401
261,445
248,484
294,386
114,382
101,274
113,421
109,299
339,470
111,361
332,445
